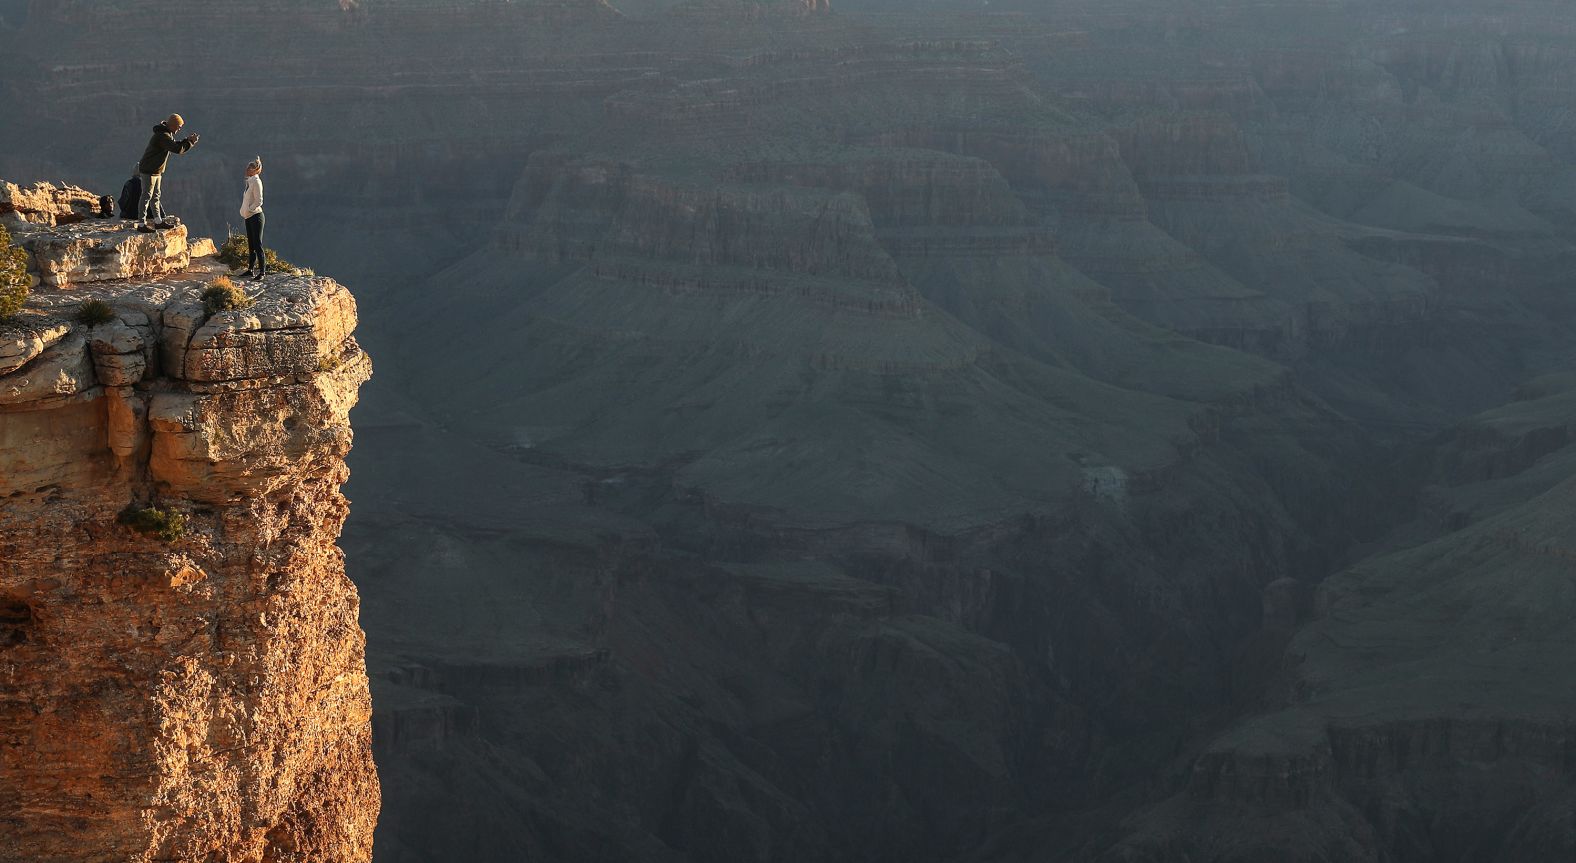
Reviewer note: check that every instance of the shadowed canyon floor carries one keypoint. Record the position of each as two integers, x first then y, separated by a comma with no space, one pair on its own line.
1113,431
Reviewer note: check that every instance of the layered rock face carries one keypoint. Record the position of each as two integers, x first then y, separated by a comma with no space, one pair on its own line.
200,697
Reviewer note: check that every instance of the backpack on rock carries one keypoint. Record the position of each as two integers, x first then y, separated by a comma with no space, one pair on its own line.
130,196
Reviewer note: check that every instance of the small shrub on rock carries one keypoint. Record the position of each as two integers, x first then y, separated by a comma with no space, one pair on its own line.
13,276
234,252
222,295
94,312
152,521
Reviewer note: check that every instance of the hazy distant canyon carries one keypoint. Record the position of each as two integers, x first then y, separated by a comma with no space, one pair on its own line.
945,431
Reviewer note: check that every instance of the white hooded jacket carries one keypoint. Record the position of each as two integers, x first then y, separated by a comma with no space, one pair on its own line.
252,201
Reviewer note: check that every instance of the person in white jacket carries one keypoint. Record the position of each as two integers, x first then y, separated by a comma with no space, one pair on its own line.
252,212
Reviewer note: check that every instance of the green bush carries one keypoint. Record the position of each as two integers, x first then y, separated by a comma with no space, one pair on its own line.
152,521
233,255
13,276
94,312
222,295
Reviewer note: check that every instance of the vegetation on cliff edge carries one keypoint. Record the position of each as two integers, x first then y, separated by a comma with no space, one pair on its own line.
152,521
13,276
223,295
233,254
91,313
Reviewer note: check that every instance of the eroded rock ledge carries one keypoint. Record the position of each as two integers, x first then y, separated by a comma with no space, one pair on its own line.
203,699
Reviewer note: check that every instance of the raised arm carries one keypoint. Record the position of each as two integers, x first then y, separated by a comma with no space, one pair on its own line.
177,147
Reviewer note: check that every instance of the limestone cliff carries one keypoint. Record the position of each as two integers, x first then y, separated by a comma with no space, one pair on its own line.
197,699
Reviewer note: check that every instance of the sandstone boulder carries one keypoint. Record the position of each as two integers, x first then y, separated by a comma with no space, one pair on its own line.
97,252
26,337
47,204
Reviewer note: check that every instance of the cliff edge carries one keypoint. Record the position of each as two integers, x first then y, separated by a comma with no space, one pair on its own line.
200,694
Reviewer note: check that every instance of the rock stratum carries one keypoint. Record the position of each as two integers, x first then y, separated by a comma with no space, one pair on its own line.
202,699
923,431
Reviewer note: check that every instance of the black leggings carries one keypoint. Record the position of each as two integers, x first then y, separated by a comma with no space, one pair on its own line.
254,239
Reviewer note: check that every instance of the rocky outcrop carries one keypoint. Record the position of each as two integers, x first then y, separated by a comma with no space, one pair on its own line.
198,696
68,239
47,204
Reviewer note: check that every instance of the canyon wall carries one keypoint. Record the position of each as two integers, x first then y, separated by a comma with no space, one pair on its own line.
1418,716
199,695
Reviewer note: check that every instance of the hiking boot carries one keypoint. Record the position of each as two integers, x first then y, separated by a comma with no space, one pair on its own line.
145,228
247,275
258,277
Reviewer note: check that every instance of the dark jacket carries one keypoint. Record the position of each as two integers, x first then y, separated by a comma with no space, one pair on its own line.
160,146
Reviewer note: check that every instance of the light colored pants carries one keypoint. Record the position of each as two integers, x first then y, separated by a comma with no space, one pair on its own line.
150,207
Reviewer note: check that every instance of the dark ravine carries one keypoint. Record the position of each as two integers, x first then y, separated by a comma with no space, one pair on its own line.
921,432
